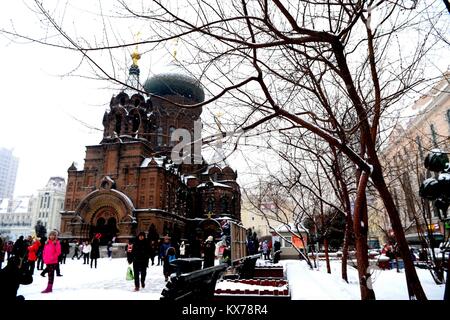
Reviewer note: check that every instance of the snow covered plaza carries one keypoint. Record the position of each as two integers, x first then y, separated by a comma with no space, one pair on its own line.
107,282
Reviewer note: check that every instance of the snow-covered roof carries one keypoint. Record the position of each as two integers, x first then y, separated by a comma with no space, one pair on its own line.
159,162
125,197
146,162
56,183
186,178
424,103
417,112
215,184
21,204
290,226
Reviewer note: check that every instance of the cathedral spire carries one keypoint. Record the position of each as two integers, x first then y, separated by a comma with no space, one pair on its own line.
133,75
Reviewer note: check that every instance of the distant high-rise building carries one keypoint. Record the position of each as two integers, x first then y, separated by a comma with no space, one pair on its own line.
8,173
49,203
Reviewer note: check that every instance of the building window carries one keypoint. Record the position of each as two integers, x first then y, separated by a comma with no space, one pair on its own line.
210,205
159,136
434,135
171,130
118,126
287,244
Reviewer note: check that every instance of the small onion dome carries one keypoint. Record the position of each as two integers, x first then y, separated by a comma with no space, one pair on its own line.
72,167
166,84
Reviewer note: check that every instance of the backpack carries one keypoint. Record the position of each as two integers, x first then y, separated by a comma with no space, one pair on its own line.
171,258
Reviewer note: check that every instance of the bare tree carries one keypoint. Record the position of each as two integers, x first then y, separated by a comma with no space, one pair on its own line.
312,64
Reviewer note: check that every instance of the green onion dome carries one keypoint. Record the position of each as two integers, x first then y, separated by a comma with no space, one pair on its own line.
172,83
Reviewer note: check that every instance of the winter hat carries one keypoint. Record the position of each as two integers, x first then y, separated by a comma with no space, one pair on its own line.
141,234
53,232
210,238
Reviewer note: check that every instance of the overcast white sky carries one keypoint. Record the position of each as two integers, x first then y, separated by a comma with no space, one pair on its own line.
41,102
36,114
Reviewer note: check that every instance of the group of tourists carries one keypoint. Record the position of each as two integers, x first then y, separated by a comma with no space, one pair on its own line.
22,260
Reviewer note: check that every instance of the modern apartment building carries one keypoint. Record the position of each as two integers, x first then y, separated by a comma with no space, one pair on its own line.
8,172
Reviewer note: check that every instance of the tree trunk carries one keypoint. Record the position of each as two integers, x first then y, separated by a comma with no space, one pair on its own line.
360,229
348,228
415,289
327,257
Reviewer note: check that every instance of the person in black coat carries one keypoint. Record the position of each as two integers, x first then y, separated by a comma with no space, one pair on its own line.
65,249
11,277
276,251
209,252
95,251
40,261
141,256
20,248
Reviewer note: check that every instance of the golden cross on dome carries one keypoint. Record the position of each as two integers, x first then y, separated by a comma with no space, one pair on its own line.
175,50
135,55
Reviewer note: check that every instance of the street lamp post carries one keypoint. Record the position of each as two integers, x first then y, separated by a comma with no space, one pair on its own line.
438,191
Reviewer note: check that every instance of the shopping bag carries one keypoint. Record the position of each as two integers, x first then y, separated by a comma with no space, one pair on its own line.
130,275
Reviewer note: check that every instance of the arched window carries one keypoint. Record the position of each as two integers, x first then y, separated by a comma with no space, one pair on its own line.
159,136
136,122
224,204
210,205
118,123
171,130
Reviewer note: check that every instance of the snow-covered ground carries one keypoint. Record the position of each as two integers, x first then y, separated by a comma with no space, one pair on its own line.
107,282
318,285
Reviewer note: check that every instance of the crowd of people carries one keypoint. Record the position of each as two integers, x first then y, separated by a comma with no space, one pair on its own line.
26,255
47,255
23,257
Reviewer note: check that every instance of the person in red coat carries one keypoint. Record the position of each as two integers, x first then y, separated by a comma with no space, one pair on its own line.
32,254
52,250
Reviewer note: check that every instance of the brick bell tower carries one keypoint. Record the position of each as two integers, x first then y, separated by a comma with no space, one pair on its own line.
129,183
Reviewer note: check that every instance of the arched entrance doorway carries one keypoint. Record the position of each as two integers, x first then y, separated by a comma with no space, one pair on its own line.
108,212
104,222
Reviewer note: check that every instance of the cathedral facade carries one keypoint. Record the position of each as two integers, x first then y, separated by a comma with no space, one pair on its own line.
129,182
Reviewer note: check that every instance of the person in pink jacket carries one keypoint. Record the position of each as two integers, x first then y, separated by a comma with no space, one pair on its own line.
52,250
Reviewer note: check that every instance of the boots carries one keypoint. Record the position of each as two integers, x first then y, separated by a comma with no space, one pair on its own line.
48,289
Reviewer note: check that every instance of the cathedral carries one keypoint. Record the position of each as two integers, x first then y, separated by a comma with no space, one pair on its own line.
130,183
